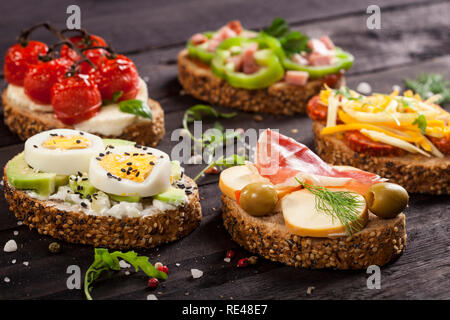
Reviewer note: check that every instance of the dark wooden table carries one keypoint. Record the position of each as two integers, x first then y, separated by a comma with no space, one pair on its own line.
415,37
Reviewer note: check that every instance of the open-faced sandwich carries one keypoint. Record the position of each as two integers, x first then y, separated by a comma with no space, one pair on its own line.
403,138
114,193
292,207
273,71
78,83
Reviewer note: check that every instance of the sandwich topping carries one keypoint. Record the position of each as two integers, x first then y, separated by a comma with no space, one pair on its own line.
316,199
78,84
384,124
252,60
77,171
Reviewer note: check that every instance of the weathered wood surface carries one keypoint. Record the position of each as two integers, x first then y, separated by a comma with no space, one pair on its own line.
414,38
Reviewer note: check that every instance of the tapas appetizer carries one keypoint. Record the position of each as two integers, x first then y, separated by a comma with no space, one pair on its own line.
78,83
273,71
114,193
292,207
401,137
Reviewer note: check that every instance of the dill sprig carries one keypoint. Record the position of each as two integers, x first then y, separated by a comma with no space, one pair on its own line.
341,205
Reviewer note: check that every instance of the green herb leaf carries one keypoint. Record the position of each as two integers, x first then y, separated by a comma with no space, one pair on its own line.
278,28
115,97
421,122
105,261
427,84
291,41
230,161
342,205
137,107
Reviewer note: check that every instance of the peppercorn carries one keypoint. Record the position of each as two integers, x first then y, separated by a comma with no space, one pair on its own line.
253,260
229,254
54,247
164,269
242,263
153,283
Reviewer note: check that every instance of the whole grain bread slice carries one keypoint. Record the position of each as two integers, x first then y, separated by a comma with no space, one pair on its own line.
380,242
416,173
279,98
105,231
26,123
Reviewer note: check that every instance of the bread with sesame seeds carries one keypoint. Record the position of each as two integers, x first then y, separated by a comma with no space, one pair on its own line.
279,98
26,122
416,173
381,241
76,226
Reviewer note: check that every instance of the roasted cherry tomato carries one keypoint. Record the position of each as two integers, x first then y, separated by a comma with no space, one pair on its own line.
443,144
118,74
75,99
95,55
315,110
40,78
18,58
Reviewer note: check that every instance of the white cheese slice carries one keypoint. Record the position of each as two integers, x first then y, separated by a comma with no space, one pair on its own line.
302,217
18,98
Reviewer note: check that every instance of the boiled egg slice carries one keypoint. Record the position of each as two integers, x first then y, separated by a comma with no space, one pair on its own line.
62,151
131,170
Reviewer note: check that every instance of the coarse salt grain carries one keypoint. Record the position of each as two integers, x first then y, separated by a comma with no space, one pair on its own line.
127,273
152,297
227,260
123,264
364,88
310,289
196,273
10,246
13,261
19,223
6,279
177,264
26,263
16,233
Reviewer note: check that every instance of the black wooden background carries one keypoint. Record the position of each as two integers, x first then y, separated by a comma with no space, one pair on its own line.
414,38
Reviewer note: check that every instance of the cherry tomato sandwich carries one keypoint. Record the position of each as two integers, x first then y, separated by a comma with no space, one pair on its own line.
401,137
78,187
291,206
273,71
77,83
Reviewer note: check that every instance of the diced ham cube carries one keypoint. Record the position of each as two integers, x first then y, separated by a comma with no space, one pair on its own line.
237,61
318,46
249,65
327,42
235,25
299,59
317,59
297,78
224,33
198,38
212,45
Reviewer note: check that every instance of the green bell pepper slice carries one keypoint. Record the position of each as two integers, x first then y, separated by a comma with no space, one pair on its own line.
344,60
199,51
270,72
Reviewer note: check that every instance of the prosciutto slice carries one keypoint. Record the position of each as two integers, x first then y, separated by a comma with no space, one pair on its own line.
280,158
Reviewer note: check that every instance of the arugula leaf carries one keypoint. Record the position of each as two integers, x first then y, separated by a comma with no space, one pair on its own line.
230,161
427,84
421,122
291,41
105,261
137,107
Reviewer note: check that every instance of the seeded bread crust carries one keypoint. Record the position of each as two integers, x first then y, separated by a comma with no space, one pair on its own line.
102,231
280,98
380,242
26,123
416,173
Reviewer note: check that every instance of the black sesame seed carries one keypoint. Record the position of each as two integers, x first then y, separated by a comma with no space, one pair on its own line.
152,163
137,174
78,141
84,205
35,146
135,154
99,159
109,174
127,154
123,170
188,191
101,154
129,163
82,133
119,179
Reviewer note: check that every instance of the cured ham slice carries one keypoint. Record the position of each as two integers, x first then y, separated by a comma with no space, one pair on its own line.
280,158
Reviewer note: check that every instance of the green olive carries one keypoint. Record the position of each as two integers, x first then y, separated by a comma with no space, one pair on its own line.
387,200
258,198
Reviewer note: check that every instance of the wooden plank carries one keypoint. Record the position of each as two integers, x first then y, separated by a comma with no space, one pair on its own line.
133,26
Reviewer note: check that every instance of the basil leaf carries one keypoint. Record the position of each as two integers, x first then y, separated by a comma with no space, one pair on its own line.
116,95
278,28
137,107
295,42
